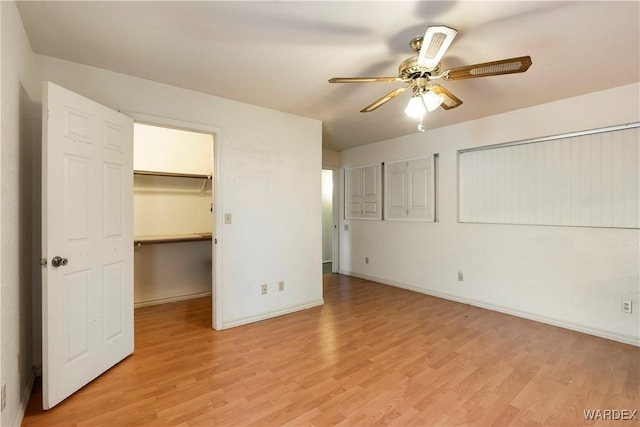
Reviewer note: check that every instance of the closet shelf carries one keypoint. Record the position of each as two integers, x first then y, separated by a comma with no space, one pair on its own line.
172,174
194,237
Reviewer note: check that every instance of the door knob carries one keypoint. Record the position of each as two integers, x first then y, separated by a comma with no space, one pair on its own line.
57,261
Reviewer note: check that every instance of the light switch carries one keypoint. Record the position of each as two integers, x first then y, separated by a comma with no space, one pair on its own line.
227,218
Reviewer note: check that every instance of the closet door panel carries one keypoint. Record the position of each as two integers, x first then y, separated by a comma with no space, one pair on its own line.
363,195
409,190
372,191
397,192
354,197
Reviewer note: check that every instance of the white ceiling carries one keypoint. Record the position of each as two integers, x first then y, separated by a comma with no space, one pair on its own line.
280,54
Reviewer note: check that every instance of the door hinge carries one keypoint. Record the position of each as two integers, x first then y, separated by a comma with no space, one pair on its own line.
43,262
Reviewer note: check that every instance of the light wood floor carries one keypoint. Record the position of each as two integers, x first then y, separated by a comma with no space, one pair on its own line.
373,354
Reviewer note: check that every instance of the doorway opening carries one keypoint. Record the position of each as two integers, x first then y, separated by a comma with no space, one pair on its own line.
173,214
329,228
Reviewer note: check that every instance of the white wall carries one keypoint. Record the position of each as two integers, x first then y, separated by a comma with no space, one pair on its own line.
163,149
166,272
571,276
270,179
171,205
18,265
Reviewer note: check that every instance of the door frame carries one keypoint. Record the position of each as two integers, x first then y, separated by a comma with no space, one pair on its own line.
216,255
335,263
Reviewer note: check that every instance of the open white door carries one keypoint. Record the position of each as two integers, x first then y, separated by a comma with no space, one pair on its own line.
87,238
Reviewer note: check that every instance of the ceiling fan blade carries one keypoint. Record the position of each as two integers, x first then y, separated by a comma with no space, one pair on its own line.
435,43
450,100
493,68
388,97
365,79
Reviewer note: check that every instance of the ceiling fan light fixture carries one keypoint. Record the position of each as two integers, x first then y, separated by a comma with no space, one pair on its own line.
432,100
419,71
416,107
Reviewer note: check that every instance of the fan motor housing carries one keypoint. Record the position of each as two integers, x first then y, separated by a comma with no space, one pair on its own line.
409,69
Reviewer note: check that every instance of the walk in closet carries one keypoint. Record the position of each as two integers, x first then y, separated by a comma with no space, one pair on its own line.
173,214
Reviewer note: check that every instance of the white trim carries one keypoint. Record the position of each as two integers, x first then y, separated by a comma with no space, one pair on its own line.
271,314
217,240
603,333
24,401
170,299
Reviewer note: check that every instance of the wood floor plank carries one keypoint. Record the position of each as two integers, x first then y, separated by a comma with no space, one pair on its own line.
372,355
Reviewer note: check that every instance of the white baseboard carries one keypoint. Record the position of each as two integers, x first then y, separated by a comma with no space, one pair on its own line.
171,299
269,315
24,401
602,333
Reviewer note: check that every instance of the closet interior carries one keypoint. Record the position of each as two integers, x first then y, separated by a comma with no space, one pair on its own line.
173,214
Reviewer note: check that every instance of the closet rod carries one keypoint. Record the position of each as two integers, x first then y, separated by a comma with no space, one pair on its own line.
143,240
172,174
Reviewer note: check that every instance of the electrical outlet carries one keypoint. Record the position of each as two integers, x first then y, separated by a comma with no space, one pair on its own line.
460,276
4,396
626,306
281,285
366,260
264,289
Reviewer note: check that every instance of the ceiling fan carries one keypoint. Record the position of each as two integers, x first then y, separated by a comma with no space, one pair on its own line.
420,70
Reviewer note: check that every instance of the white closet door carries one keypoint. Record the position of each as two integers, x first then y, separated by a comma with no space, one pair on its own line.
410,190
354,193
87,236
397,190
363,192
372,192
420,203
